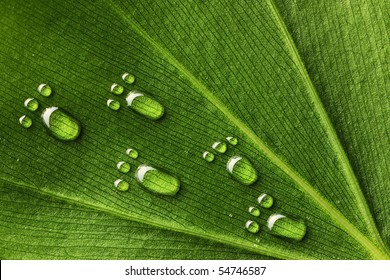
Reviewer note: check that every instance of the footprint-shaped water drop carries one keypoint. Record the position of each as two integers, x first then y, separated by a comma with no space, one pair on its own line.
254,211
283,226
113,104
242,170
128,78
265,200
123,166
232,140
45,90
132,153
117,89
157,181
31,104
207,156
121,185
220,147
252,226
61,125
25,121
145,105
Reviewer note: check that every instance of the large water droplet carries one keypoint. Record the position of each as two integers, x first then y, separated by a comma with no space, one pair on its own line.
25,121
117,89
209,157
60,124
113,104
44,89
242,170
232,140
156,180
265,200
123,166
132,153
252,226
219,147
32,104
254,211
280,225
128,78
145,105
121,185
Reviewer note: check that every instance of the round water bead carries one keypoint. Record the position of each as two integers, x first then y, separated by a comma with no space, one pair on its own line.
45,90
207,156
121,185
31,104
128,78
232,140
254,211
117,89
219,147
265,200
123,166
25,121
132,153
113,104
252,226
242,170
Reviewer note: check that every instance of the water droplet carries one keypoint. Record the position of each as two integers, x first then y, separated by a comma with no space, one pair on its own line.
123,166
25,121
61,125
265,200
128,78
44,90
220,147
132,153
145,105
254,211
32,104
113,104
232,140
280,225
242,170
231,215
209,157
156,180
121,185
252,226
117,89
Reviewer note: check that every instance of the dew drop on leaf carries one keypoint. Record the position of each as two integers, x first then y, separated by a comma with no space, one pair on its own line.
117,89
254,211
242,170
145,105
252,226
25,121
219,147
123,166
132,153
157,181
283,226
45,90
60,124
209,157
31,104
232,140
121,185
113,104
265,200
128,78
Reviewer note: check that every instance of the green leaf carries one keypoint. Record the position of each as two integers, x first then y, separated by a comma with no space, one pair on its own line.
301,84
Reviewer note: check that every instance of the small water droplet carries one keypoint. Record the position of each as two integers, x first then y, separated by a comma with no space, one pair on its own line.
280,225
32,104
121,185
219,147
45,90
61,125
25,121
123,166
145,105
231,215
242,170
209,157
254,211
113,104
128,78
117,89
265,200
232,140
156,180
252,226
132,153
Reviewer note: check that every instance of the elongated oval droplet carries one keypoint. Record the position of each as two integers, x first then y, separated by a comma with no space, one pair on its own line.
123,166
31,104
25,121
265,200
132,153
242,170
156,180
128,78
117,89
121,185
44,90
232,140
113,104
145,105
209,157
283,226
252,226
254,211
219,147
61,125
